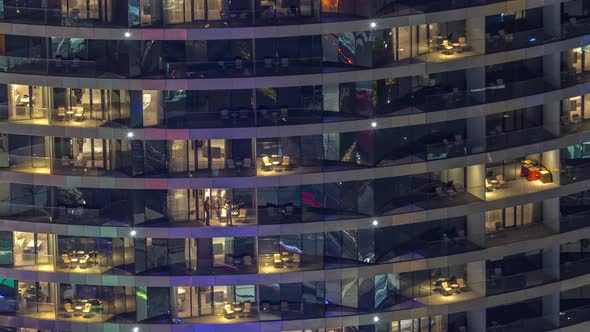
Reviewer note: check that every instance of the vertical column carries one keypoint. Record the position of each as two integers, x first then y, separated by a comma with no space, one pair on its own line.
551,308
476,30
551,261
552,69
551,213
476,277
476,320
476,84
476,180
551,270
552,19
551,255
476,134
550,160
476,229
552,117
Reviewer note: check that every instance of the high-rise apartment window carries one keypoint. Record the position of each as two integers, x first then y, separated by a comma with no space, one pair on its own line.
515,216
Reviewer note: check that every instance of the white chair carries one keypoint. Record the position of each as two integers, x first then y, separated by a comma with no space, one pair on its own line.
79,113
247,260
61,113
286,163
446,288
224,114
65,161
66,259
230,164
247,308
489,186
284,62
248,162
86,310
297,259
268,62
462,285
68,309
228,311
463,44
243,213
276,259
239,63
266,162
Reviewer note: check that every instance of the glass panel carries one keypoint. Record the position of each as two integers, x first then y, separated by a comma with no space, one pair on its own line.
509,220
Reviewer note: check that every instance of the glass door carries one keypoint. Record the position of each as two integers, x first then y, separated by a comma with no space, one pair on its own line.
509,217
205,300
178,205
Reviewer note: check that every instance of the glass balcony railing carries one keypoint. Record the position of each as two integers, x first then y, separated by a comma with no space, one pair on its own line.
249,308
219,16
570,269
510,283
540,324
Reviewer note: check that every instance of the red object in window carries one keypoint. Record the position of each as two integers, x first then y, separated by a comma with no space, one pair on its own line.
524,171
534,174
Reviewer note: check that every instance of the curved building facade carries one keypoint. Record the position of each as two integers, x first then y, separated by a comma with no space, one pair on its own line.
294,165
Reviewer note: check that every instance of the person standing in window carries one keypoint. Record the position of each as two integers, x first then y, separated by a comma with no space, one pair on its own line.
228,212
207,207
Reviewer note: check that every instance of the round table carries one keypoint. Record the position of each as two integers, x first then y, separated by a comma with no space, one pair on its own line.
448,50
80,252
275,164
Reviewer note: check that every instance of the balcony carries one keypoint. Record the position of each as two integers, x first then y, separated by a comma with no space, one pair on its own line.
519,234
499,284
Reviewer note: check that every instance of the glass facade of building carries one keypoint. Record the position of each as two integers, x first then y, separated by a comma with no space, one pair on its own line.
294,165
